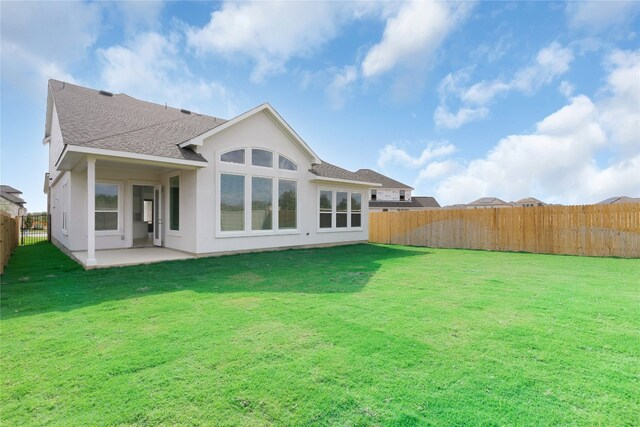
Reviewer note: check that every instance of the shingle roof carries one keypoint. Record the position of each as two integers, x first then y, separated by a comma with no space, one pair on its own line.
373,176
327,170
415,202
122,123
426,202
484,201
619,199
530,200
11,194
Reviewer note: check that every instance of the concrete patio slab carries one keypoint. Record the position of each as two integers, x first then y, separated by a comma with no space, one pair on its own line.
131,256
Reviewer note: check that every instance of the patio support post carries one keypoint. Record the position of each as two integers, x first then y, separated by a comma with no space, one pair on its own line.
91,209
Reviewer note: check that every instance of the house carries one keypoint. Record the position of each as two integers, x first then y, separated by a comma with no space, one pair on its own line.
619,200
389,190
127,173
392,195
10,201
414,204
528,202
488,202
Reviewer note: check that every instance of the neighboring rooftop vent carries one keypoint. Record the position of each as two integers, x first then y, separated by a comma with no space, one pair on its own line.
105,93
185,111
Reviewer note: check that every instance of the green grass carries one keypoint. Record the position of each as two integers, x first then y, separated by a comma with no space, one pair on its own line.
354,335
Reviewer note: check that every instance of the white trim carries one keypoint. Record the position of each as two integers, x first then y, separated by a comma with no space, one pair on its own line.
178,232
129,156
273,155
273,114
91,213
128,233
219,154
324,179
286,170
120,230
248,206
334,210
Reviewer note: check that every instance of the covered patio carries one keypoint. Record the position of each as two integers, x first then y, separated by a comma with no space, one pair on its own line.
129,256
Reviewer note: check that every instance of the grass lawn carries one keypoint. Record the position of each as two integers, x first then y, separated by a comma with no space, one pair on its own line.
352,335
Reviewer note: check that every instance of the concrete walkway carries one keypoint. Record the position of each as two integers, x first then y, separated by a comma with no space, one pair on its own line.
131,256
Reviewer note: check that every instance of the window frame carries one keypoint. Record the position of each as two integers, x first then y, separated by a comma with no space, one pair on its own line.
250,229
248,208
65,208
334,210
295,165
273,158
171,231
219,206
120,209
276,225
231,151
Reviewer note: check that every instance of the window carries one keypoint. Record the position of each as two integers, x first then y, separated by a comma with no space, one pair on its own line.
287,211
147,208
286,164
106,207
374,194
259,198
261,203
326,198
65,206
356,210
343,211
235,156
402,195
174,203
342,207
262,158
231,202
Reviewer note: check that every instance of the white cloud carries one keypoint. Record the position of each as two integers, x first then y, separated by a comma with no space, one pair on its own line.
566,88
560,161
40,40
137,16
437,169
621,110
339,87
270,33
445,119
391,154
597,16
550,62
149,67
412,35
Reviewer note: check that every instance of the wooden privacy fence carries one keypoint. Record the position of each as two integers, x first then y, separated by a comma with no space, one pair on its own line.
9,232
592,230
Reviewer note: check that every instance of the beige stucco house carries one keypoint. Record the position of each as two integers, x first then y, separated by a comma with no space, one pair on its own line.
125,173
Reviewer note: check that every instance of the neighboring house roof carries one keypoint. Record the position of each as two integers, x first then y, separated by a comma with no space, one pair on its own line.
457,206
415,202
488,201
118,122
619,199
530,200
426,202
386,182
327,170
11,194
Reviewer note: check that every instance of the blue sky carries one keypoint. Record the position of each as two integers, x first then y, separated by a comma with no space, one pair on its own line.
459,100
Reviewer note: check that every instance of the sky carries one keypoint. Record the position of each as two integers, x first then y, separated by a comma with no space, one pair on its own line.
459,100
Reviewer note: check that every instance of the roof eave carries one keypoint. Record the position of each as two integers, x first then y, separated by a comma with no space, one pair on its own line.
70,150
321,179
